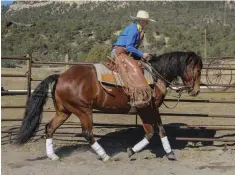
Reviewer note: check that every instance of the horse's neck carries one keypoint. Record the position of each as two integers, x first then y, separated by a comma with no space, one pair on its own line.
168,72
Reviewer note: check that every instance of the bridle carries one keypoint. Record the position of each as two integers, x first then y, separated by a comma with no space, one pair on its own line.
170,85
179,90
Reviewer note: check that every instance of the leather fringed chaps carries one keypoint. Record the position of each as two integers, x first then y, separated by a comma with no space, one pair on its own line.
135,84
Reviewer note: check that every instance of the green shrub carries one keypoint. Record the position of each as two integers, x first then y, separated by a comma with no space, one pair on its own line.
10,63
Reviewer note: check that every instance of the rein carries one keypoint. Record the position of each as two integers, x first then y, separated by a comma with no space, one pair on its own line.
178,100
179,89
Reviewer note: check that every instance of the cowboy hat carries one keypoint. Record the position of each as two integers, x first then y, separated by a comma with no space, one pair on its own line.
142,15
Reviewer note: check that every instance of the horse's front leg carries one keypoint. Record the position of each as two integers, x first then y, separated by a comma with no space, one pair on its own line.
165,143
147,119
144,142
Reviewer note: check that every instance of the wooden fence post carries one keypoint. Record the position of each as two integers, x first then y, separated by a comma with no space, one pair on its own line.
29,72
66,60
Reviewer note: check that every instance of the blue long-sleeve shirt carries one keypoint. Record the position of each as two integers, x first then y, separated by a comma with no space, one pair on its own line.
130,38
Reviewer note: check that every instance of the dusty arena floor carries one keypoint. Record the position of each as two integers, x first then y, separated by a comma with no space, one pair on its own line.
209,158
79,159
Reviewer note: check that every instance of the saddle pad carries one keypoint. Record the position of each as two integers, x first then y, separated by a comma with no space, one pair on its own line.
107,76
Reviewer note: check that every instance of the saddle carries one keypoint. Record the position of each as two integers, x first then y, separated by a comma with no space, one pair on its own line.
130,74
107,73
110,64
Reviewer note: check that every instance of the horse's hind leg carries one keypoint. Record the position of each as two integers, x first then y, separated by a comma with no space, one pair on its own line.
57,121
85,116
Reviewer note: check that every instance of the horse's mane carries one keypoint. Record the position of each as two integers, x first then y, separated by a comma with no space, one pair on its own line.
173,64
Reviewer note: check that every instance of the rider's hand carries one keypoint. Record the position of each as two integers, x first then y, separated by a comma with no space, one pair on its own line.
146,56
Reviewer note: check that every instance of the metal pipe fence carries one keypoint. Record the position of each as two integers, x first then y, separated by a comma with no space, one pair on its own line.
72,134
28,75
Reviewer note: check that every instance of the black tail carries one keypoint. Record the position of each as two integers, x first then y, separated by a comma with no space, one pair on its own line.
33,111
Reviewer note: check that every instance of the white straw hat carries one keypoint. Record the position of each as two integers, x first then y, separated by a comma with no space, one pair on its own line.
142,15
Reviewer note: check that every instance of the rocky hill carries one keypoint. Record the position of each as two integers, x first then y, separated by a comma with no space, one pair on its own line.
19,5
86,30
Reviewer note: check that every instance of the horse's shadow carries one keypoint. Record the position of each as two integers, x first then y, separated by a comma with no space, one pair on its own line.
66,151
116,144
119,141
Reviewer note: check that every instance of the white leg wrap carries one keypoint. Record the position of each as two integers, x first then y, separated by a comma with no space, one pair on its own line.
166,144
49,146
139,146
100,151
50,150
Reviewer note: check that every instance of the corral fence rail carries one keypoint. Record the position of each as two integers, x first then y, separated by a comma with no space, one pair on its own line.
28,75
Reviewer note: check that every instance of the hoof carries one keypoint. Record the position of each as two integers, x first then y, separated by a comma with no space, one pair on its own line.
130,152
106,158
53,157
171,156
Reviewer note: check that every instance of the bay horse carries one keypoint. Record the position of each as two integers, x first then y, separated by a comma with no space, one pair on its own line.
78,91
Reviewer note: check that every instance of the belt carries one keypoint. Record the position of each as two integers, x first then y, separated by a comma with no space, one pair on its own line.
120,49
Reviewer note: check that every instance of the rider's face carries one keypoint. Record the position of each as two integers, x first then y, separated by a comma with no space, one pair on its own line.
143,23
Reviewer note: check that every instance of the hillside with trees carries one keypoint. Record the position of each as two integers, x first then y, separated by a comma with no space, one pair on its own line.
87,31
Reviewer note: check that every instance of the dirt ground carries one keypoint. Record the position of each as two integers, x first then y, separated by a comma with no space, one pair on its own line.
77,157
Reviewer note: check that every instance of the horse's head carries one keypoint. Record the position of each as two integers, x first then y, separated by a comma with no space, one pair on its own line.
191,75
187,65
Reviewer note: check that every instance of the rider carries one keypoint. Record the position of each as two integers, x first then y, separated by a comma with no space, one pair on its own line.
126,52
